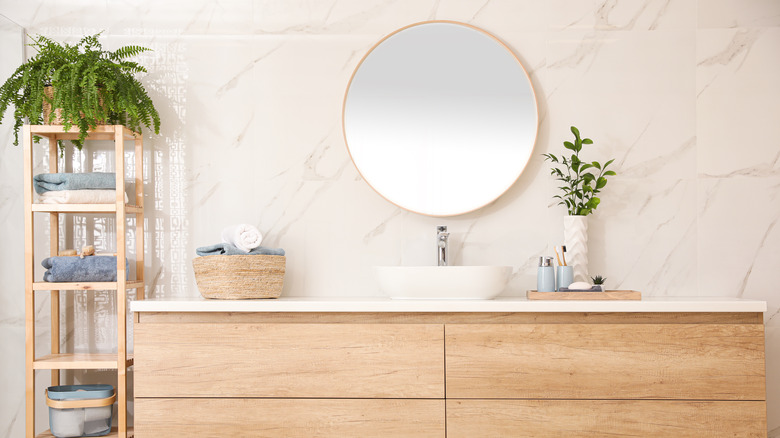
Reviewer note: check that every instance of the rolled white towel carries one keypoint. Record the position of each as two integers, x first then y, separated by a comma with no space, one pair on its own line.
243,236
79,197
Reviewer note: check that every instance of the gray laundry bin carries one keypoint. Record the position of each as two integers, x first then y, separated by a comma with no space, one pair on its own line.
80,410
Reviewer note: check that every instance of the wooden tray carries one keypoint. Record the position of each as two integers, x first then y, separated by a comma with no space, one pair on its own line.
606,295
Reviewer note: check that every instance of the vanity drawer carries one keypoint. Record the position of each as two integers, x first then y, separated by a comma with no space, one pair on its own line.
289,360
606,361
592,418
305,418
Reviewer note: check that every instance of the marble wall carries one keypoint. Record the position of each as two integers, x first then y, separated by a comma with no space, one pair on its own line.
680,92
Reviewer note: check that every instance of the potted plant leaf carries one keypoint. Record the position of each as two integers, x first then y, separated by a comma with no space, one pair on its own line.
581,182
599,281
85,85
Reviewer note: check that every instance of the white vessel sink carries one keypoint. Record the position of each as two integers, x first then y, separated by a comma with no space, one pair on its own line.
442,282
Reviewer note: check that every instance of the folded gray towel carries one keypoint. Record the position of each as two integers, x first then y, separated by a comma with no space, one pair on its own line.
228,249
72,269
45,182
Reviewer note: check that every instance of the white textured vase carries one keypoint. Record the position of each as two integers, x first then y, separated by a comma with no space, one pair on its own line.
575,237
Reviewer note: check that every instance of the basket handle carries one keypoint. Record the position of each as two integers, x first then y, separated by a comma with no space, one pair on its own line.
86,403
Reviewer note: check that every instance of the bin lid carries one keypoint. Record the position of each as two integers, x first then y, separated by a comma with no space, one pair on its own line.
80,392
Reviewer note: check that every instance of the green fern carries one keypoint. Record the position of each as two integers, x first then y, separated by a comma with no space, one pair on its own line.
91,86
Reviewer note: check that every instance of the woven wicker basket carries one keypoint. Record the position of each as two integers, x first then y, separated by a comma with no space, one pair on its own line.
239,277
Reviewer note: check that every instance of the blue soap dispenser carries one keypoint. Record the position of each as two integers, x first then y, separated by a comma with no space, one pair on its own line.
545,277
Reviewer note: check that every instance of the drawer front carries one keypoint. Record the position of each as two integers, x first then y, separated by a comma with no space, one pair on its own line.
606,361
599,418
289,360
305,418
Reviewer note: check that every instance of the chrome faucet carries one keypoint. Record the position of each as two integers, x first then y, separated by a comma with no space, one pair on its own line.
442,237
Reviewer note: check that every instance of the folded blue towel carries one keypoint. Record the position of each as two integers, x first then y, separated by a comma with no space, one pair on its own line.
76,269
45,182
228,249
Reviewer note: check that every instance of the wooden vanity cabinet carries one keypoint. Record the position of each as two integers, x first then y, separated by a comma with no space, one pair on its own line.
304,374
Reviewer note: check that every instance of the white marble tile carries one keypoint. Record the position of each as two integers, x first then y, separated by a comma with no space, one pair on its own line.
611,15
12,415
374,17
625,63
738,13
497,16
138,18
643,236
638,112
634,15
738,100
738,237
12,378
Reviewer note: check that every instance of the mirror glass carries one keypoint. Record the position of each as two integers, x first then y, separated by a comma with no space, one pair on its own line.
440,118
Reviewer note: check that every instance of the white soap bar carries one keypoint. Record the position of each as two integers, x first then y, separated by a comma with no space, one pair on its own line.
580,285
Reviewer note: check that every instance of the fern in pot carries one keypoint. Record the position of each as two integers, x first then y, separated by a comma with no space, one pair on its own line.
581,182
85,85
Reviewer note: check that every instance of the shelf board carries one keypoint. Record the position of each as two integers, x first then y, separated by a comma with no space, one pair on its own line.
114,433
79,361
101,132
107,285
84,208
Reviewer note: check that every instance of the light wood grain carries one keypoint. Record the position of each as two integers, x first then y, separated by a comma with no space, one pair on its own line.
289,360
121,277
606,361
79,361
29,296
54,245
84,208
609,295
453,318
83,403
45,285
112,434
591,418
304,418
100,132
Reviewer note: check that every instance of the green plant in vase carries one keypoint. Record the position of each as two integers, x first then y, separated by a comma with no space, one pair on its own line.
581,180
84,84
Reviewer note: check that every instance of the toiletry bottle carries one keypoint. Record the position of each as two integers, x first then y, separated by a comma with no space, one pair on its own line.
545,277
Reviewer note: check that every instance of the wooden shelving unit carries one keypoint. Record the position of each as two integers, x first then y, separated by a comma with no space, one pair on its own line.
79,361
114,433
83,208
57,361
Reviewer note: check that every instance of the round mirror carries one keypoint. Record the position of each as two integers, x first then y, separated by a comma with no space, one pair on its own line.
440,118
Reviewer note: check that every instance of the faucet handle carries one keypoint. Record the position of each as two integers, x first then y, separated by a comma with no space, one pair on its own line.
441,229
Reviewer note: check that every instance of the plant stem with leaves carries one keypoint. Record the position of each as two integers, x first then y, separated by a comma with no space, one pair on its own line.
582,180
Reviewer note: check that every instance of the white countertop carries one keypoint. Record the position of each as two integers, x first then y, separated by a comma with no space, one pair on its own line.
509,304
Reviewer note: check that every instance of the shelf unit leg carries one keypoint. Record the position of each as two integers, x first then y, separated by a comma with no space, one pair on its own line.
29,295
54,245
121,277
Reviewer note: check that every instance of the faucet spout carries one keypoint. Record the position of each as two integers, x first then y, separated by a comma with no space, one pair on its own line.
442,239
